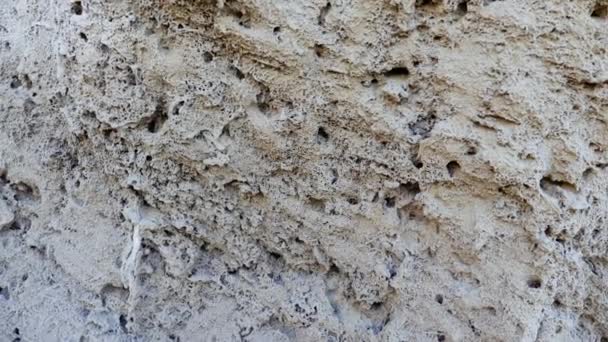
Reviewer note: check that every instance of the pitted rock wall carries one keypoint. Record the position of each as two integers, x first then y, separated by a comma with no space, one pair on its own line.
342,170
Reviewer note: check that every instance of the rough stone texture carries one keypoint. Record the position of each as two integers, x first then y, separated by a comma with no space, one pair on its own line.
351,170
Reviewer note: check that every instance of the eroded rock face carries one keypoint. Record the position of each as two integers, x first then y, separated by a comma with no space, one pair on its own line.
337,170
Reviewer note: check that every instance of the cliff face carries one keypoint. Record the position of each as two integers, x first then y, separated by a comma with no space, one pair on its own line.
342,170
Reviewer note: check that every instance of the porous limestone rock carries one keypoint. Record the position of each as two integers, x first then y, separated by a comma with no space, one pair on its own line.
303,170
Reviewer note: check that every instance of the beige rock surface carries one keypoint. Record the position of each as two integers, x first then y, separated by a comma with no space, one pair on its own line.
293,170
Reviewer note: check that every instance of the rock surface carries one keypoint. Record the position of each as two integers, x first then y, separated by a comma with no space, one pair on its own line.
342,170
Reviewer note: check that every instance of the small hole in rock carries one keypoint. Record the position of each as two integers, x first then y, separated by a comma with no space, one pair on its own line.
76,7
376,306
441,338
547,183
104,48
453,168
322,136
131,78
24,191
397,71
237,72
412,188
177,108
534,283
263,107
276,29
225,131
207,57
123,323
417,163
323,14
334,176
588,172
275,255
317,204
83,36
320,50
262,98
600,11
425,3
15,82
439,299
389,202
158,118
4,293
463,7
471,151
